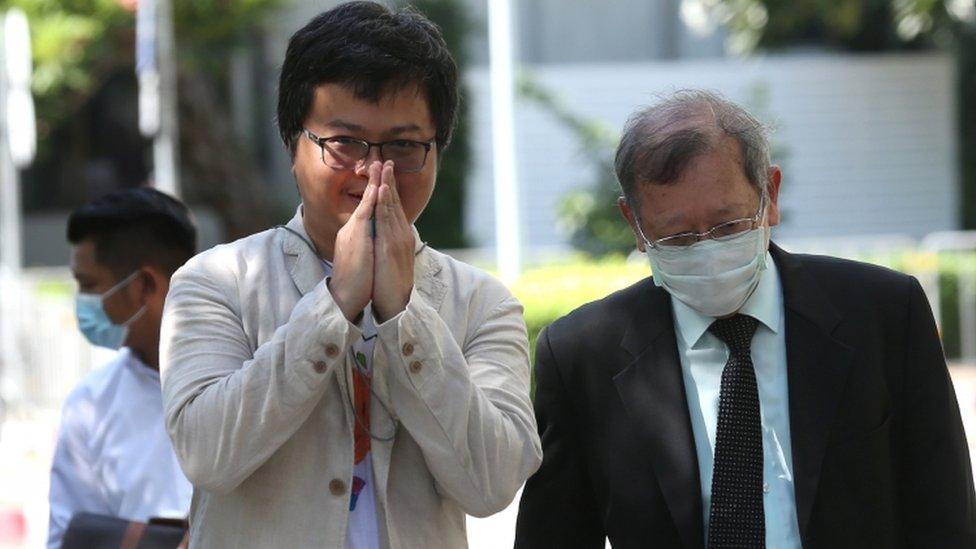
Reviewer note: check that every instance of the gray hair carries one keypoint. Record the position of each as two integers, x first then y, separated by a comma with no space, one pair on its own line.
659,141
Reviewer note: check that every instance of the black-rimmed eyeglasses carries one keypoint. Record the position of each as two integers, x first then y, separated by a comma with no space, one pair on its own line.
722,231
345,153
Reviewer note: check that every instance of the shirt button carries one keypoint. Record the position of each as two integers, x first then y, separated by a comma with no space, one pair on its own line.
415,367
408,349
337,487
331,350
765,487
320,367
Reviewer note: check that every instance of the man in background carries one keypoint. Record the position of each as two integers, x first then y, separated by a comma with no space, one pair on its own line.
113,455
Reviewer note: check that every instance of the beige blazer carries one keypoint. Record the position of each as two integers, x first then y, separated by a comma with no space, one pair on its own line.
254,352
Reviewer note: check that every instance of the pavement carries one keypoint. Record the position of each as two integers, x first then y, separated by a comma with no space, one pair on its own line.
27,445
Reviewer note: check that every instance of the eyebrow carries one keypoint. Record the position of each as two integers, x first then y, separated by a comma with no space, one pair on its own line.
341,124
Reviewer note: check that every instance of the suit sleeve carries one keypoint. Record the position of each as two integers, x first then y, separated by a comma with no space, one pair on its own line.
228,408
558,508
467,406
937,480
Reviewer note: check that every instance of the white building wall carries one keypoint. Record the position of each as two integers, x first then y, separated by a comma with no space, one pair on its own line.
870,140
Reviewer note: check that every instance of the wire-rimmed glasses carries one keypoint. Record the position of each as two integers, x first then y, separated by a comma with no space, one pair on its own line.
722,231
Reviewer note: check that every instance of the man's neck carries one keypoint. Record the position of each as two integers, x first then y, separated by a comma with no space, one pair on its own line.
148,355
324,243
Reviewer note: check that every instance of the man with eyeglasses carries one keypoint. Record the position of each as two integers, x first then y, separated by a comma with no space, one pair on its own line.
744,396
335,382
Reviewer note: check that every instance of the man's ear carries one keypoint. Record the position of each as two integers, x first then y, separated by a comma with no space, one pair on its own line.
153,283
628,214
775,178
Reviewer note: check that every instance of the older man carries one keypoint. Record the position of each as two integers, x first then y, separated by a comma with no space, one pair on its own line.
744,397
336,382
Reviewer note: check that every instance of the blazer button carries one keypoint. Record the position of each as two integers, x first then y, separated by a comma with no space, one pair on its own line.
408,349
337,487
320,367
331,350
415,367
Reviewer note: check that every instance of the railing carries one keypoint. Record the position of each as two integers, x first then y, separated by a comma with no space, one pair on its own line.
955,241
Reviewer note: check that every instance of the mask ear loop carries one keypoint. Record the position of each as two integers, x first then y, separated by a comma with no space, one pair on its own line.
344,389
111,291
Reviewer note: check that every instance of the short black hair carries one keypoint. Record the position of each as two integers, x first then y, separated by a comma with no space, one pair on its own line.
373,51
134,228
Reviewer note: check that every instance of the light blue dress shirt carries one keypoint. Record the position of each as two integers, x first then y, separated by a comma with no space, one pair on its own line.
703,357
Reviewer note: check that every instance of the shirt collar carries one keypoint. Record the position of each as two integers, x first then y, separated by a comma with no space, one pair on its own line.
136,365
765,305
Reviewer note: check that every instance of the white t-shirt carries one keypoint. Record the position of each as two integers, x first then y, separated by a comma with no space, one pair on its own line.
363,530
113,454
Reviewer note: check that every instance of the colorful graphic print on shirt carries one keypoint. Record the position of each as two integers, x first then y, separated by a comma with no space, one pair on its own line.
361,381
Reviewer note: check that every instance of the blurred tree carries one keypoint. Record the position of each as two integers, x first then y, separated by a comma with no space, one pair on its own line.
590,215
442,223
871,25
78,46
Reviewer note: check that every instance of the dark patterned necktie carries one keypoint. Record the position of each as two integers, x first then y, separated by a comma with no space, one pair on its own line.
736,517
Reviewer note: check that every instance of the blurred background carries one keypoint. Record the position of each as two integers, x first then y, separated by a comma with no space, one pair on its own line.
872,102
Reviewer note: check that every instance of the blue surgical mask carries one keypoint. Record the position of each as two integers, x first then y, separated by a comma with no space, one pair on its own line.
95,324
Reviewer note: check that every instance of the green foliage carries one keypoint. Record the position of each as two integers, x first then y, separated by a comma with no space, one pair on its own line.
849,25
442,223
871,25
551,291
76,44
590,216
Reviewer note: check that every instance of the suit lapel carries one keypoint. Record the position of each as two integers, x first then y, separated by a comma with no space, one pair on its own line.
653,394
304,265
426,268
817,371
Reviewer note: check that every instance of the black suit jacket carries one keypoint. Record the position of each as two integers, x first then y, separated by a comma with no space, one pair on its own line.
879,454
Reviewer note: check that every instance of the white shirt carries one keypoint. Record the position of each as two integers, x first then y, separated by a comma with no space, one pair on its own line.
363,528
703,358
113,454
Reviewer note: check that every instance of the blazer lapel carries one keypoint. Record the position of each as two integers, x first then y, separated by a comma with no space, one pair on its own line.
652,390
303,263
817,371
426,268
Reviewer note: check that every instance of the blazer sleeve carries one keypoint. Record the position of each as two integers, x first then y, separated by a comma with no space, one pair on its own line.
937,488
229,407
558,507
467,405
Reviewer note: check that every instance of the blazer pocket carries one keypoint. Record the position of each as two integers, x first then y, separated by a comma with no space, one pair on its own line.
858,481
873,437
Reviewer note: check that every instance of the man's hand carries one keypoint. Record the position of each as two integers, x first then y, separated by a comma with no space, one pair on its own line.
352,267
394,250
